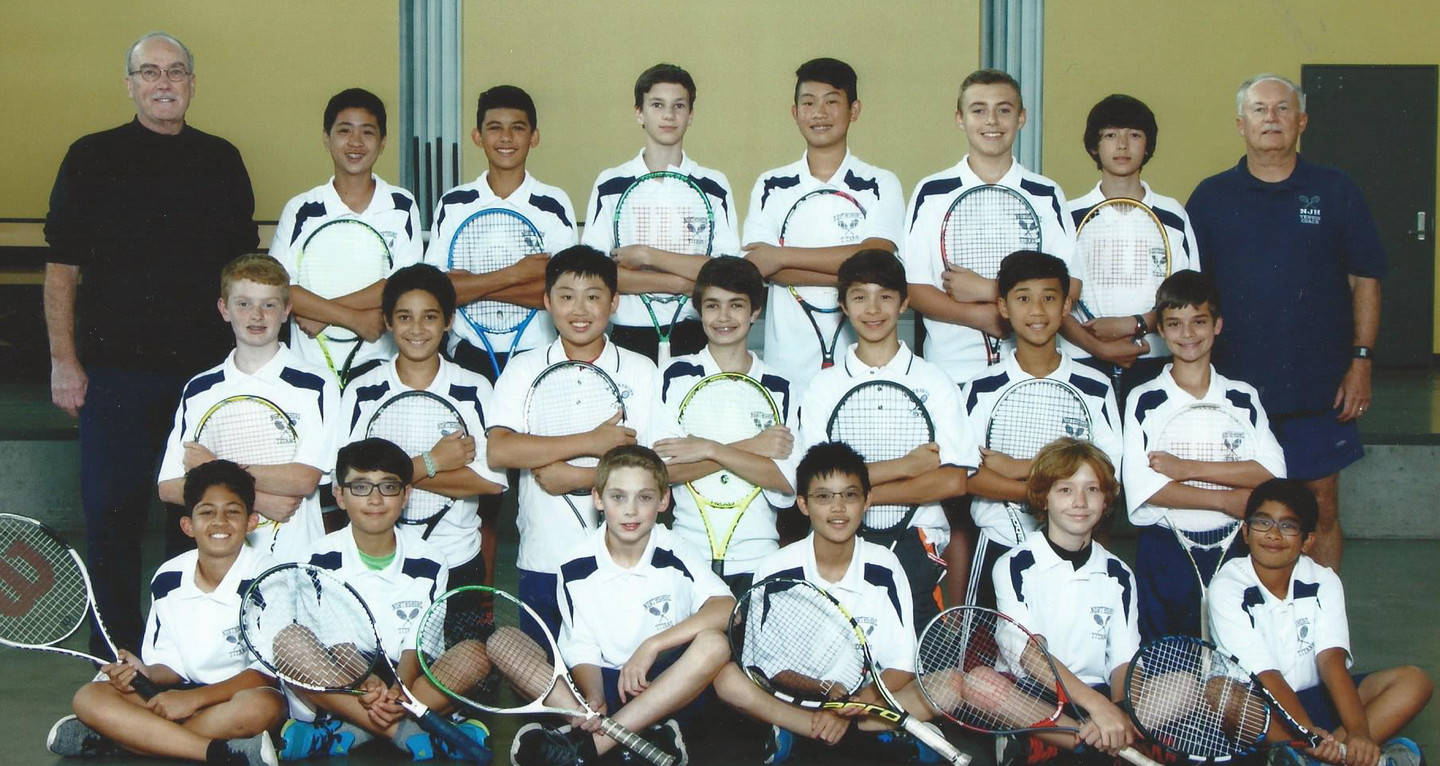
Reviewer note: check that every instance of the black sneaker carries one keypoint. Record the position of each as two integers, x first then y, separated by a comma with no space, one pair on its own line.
535,745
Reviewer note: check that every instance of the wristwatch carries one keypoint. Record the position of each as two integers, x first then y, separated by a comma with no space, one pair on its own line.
1363,352
1141,329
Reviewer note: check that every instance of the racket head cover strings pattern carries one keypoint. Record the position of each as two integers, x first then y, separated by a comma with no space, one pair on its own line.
1126,255
822,218
982,226
487,241
46,594
486,649
882,420
338,258
572,397
726,407
249,430
1028,416
414,421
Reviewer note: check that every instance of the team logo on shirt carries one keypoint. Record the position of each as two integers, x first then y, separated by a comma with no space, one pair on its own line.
1100,615
1302,631
1310,208
407,611
389,237
1159,262
866,624
698,227
1029,226
234,647
659,608
1076,427
848,222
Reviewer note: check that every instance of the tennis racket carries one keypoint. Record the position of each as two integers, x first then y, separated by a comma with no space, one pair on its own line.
484,648
727,408
249,430
667,211
882,420
1028,416
570,398
822,218
339,258
487,241
414,421
1126,255
313,631
986,672
798,643
45,594
1197,701
982,226
1210,433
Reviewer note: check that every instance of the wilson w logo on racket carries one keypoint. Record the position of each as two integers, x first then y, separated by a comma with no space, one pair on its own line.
26,577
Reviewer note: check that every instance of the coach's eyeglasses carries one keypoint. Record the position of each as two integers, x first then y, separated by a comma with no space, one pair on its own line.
152,73
388,487
1263,524
826,497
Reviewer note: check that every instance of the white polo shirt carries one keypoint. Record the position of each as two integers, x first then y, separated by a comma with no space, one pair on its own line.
194,633
600,222
457,535
607,610
1268,633
309,398
755,533
980,396
958,446
398,594
790,344
1148,408
546,522
1087,615
1184,253
874,591
960,350
546,207
392,212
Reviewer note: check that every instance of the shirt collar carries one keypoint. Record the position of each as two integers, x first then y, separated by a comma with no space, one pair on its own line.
1214,395
521,193
638,166
1046,558
270,371
351,561
229,588
1289,182
898,365
379,200
854,577
438,384
1011,178
1017,373
835,180
608,360
606,567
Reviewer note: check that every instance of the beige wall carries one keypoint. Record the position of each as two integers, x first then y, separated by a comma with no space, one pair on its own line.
743,56
264,70
1189,73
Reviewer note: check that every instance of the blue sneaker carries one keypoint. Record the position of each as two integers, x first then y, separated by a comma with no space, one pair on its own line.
476,732
1401,751
306,739
410,738
904,748
779,746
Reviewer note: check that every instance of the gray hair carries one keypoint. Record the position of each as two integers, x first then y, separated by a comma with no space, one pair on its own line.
167,37
1267,77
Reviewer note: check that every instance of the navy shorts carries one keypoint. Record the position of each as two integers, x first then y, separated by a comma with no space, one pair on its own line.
1320,707
982,567
1167,593
610,681
537,591
1315,444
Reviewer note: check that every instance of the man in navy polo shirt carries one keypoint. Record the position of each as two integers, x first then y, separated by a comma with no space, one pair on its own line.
1298,262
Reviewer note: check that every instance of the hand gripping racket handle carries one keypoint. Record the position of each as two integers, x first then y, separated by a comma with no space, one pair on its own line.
144,686
461,745
1136,757
635,743
931,736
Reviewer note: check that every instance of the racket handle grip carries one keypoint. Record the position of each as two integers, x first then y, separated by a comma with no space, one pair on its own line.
937,742
1136,757
635,743
460,745
144,686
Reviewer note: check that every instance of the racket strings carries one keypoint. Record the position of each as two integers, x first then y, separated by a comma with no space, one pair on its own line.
250,432
881,421
726,410
489,241
454,646
793,641
1125,257
1033,414
664,212
415,421
985,225
304,624
822,219
1196,701
342,257
1206,433
981,670
43,594
570,398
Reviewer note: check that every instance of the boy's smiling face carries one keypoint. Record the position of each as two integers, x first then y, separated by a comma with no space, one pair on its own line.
835,504
581,307
1190,331
992,117
874,311
375,513
418,324
726,317
1280,546
219,522
354,141
255,312
1034,308
631,500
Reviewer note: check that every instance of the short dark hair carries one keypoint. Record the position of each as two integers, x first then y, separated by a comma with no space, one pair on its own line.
832,72
989,76
1291,493
828,459
729,272
582,261
372,454
222,473
1186,288
355,98
663,73
419,276
872,266
1023,265
506,97
1118,110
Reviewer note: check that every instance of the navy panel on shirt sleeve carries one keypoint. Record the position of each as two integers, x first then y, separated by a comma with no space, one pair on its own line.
663,559
1121,575
1023,560
573,570
938,186
163,584
552,206
777,182
882,576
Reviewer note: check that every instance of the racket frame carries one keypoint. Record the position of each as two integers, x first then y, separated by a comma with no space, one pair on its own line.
428,523
1135,206
827,350
342,373
438,610
519,328
1013,509
241,459
530,404
833,428
992,344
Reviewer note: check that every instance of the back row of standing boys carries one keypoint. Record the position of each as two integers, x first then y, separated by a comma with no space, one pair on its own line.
413,343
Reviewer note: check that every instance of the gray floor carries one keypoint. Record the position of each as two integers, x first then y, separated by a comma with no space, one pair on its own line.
1394,620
